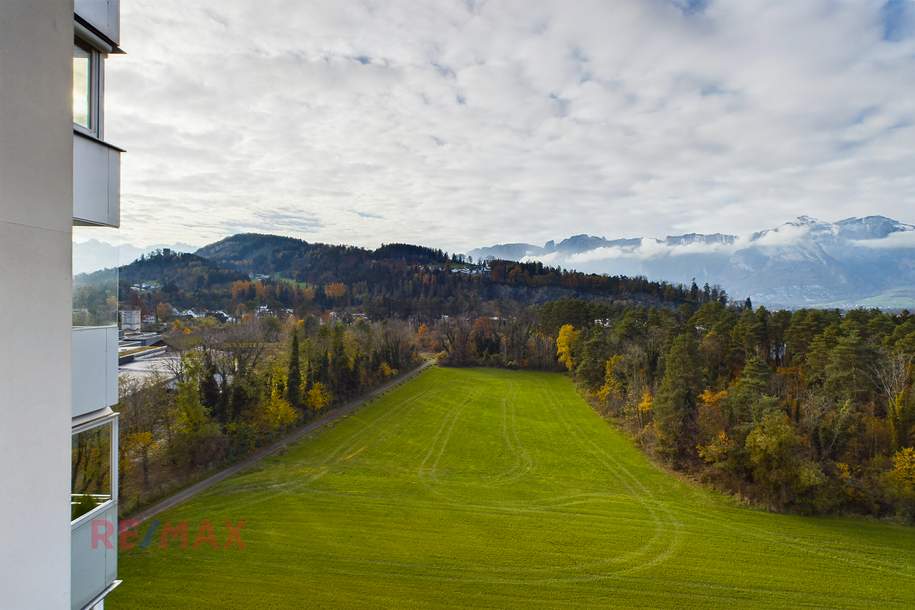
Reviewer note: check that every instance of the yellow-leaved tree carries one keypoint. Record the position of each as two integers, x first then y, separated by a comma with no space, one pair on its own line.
318,397
277,413
564,342
386,370
714,443
613,387
643,409
901,481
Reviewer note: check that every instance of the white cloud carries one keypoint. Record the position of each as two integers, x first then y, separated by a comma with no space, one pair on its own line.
899,239
605,253
785,235
550,258
458,125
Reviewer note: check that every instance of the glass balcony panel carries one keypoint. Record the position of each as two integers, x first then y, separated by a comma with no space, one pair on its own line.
95,277
93,556
90,476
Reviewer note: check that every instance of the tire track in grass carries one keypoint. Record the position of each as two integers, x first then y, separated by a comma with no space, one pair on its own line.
448,421
533,509
857,560
794,543
621,473
523,461
293,485
427,473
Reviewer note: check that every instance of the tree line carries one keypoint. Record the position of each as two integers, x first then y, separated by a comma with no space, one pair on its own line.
395,281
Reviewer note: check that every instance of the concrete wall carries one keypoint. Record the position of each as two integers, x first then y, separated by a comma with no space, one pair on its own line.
36,202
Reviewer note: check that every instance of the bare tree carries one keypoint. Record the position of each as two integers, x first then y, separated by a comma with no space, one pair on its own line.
892,371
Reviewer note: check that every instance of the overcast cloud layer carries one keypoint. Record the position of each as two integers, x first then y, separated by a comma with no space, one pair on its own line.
463,123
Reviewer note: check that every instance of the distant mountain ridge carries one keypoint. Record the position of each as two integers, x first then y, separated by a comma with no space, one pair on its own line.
867,261
93,254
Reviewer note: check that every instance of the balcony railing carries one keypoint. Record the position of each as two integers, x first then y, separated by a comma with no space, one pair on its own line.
94,347
94,510
93,565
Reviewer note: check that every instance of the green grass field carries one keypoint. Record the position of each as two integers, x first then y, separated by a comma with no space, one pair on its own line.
489,488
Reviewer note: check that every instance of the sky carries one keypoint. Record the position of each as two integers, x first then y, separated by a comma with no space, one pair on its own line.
464,123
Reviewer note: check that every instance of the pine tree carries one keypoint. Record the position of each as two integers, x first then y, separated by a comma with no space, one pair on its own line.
675,409
209,391
844,370
753,383
294,377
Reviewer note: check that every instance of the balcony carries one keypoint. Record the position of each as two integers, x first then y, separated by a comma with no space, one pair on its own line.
96,181
93,571
94,346
94,511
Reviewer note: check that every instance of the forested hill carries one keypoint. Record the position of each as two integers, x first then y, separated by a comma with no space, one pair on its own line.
245,271
181,268
255,253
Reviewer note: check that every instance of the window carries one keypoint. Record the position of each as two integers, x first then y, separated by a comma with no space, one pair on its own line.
90,479
83,99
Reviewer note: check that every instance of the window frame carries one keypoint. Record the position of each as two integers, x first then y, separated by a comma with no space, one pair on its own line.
95,89
111,418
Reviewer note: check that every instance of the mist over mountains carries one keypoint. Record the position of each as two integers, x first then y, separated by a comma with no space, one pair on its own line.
94,254
854,262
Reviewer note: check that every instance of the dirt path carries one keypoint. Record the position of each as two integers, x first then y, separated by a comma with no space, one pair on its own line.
189,492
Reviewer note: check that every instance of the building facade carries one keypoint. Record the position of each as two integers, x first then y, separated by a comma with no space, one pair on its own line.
131,320
59,182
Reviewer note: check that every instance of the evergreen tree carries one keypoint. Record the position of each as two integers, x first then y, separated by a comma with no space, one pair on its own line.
294,377
744,396
209,391
675,407
844,369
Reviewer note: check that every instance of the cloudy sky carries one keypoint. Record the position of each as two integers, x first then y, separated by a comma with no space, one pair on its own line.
463,123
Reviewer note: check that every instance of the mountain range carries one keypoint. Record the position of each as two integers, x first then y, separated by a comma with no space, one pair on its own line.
854,262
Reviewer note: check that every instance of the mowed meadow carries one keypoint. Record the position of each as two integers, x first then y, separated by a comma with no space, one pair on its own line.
491,488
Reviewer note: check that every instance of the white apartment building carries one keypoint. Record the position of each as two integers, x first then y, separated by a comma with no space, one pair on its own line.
131,320
59,180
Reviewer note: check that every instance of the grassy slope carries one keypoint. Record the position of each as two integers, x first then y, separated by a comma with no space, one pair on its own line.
493,488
